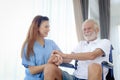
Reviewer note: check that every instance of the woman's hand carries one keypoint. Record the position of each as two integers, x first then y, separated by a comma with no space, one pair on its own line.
59,59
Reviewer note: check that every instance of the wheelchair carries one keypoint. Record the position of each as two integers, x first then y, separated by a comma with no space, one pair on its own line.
109,65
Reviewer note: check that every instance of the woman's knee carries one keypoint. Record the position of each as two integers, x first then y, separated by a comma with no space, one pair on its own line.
50,70
50,67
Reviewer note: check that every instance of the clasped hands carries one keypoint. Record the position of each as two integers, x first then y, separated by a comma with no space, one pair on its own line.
56,57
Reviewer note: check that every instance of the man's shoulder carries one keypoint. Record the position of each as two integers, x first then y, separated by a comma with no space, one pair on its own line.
105,40
82,42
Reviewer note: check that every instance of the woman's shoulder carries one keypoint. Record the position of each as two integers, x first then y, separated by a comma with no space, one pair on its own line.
49,41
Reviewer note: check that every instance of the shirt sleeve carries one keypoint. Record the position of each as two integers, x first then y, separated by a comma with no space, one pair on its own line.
25,62
105,46
55,47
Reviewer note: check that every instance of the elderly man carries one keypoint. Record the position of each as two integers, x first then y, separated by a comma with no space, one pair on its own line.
89,53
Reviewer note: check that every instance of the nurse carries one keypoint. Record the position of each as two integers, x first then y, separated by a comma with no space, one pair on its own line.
36,50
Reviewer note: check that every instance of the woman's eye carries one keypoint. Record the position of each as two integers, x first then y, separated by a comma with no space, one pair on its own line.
46,26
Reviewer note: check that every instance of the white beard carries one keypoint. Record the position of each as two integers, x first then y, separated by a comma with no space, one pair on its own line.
90,36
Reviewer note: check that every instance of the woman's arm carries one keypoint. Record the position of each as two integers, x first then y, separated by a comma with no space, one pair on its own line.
36,69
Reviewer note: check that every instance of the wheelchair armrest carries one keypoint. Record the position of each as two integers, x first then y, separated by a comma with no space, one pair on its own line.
68,65
107,64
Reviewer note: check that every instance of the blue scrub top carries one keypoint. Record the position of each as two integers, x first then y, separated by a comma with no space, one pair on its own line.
40,57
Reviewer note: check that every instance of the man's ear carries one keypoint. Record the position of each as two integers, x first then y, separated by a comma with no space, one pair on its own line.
97,30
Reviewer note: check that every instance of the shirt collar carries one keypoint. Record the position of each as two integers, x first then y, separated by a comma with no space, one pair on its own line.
91,42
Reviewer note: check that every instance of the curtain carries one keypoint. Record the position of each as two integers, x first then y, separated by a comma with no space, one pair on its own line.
62,22
78,18
81,14
84,8
104,12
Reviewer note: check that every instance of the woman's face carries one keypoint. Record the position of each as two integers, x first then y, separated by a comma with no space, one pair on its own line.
44,29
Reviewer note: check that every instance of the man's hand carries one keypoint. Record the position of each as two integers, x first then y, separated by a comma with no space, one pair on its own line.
58,53
55,59
64,59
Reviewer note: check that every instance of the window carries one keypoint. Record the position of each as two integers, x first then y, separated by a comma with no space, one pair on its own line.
16,17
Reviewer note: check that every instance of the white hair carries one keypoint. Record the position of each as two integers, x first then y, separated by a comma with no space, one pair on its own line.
93,21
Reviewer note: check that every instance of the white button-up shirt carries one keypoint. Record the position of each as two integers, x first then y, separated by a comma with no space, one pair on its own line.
84,46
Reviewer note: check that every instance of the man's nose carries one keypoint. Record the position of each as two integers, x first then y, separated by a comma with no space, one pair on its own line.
86,31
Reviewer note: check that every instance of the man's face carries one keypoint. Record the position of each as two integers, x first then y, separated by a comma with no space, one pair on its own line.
90,33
